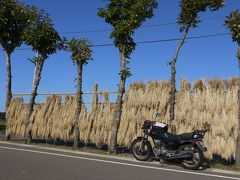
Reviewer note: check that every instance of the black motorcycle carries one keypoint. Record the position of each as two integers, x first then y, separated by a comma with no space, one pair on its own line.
187,147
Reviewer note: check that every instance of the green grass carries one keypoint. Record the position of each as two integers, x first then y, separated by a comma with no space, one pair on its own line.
2,126
2,122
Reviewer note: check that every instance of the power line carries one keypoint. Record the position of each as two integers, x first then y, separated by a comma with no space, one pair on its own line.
141,42
151,41
168,40
177,39
146,26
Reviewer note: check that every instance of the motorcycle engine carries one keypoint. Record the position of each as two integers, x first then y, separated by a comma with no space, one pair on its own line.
159,149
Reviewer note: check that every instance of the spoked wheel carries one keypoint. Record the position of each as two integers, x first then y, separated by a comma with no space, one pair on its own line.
141,149
197,157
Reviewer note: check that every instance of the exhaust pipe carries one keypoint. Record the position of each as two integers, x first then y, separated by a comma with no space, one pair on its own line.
179,155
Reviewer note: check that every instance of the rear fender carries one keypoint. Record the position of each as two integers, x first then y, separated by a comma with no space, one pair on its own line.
198,144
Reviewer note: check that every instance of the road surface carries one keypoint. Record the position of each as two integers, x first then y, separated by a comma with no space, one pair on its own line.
21,162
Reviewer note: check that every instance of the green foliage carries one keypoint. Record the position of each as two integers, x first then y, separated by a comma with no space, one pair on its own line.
15,17
125,16
125,73
233,24
42,36
190,10
81,51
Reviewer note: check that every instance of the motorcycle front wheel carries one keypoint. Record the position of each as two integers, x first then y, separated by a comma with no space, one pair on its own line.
196,160
141,149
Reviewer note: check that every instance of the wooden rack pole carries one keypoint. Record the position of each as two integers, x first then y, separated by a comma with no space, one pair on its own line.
63,93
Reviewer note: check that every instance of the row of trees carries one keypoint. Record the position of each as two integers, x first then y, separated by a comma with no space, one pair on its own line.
233,24
20,22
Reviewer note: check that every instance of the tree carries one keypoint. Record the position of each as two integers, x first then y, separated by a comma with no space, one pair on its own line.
233,24
188,18
125,16
81,54
15,17
44,40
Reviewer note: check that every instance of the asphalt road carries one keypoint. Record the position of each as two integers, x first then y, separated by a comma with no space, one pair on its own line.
22,162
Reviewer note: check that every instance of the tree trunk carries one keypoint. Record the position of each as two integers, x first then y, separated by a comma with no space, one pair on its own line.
37,78
79,107
238,138
173,77
8,88
238,56
118,106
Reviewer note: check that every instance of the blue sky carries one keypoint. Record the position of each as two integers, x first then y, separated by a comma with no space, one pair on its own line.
207,58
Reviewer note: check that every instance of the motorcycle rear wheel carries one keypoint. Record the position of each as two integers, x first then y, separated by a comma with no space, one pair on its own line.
196,160
141,150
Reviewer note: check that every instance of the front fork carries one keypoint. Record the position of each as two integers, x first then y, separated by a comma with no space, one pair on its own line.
144,139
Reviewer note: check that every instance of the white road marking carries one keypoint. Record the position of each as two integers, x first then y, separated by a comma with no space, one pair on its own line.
119,163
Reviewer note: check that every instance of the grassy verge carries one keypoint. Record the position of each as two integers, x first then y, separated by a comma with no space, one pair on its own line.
2,122
2,126
225,167
82,149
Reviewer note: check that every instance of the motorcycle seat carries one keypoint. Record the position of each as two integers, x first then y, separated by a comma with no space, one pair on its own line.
179,137
185,136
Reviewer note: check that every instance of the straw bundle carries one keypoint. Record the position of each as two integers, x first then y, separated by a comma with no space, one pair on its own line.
61,122
86,124
42,118
212,105
67,118
217,84
15,116
141,102
185,85
198,85
99,122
